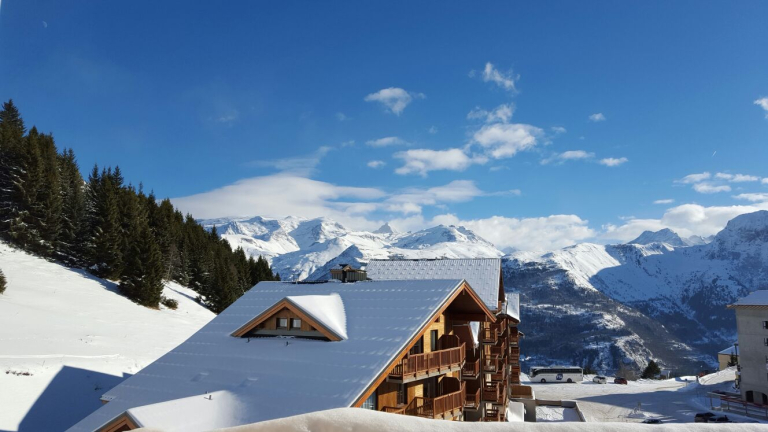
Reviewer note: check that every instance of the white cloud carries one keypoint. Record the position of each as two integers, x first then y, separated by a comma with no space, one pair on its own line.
568,155
597,117
694,178
340,116
432,130
394,98
422,161
502,140
664,201
558,129
386,141
736,178
685,219
281,195
754,197
228,117
535,234
763,103
612,162
709,188
502,113
764,181
503,80
376,164
299,165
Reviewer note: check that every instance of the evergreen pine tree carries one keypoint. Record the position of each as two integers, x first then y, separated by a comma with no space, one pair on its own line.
69,247
3,282
104,231
12,132
141,278
651,371
49,196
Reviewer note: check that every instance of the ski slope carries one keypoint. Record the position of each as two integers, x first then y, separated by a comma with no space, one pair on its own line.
66,337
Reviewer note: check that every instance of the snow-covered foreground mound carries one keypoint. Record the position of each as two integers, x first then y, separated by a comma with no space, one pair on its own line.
66,337
360,420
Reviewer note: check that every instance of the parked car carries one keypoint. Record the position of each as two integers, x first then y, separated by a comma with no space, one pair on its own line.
703,417
652,421
719,419
620,381
600,379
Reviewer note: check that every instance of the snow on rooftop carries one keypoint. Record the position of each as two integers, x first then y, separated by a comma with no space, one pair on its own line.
327,310
204,412
512,305
755,298
483,275
280,376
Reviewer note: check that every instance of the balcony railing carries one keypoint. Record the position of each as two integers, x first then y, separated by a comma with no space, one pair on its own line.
491,392
438,407
489,335
514,351
471,370
473,400
493,415
520,392
500,350
492,364
435,362
499,376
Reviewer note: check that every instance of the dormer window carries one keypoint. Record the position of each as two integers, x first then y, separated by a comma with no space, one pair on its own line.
308,316
282,323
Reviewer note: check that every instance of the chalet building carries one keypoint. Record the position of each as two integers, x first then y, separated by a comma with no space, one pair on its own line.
492,369
752,328
282,349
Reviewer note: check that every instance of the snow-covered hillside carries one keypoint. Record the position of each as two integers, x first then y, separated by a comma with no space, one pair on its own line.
66,337
685,289
306,248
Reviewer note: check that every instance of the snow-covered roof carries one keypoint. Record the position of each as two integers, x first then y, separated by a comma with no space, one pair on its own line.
731,350
200,412
282,377
512,305
755,298
327,310
483,275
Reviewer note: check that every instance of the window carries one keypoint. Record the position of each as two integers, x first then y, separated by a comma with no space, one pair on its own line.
282,323
765,340
295,323
418,348
765,324
370,403
433,340
401,395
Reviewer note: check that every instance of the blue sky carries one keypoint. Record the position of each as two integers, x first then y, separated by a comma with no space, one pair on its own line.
535,125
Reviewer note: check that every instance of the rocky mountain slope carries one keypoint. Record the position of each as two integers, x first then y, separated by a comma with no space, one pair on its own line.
659,297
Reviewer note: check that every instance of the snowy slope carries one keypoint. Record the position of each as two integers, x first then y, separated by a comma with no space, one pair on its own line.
66,337
307,248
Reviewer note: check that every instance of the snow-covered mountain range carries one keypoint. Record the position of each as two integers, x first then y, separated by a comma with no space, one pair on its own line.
300,248
658,297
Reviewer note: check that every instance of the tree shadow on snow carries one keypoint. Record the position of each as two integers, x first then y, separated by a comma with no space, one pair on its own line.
72,395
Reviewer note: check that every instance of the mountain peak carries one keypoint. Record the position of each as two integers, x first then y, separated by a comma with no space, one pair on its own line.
665,235
385,229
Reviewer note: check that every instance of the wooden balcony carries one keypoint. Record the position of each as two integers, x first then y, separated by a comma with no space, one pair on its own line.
491,393
499,350
494,415
447,406
520,392
492,364
489,335
500,375
471,370
514,370
419,366
473,400
514,352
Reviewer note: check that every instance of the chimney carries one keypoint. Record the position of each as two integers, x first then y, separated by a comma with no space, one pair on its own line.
347,273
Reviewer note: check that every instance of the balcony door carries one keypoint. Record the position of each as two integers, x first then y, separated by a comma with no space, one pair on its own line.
418,348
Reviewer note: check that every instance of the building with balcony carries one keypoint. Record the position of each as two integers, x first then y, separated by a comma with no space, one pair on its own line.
752,329
492,364
282,349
